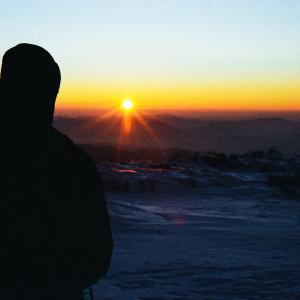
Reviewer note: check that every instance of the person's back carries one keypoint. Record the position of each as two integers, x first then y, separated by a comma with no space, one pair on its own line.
55,231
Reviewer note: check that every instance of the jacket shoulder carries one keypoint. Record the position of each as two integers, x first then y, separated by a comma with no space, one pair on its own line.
64,150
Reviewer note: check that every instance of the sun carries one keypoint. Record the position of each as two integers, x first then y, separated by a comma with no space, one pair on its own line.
127,104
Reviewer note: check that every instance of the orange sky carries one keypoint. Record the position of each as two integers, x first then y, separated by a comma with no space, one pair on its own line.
250,95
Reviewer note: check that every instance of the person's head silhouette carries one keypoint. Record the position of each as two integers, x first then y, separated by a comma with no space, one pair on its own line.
30,81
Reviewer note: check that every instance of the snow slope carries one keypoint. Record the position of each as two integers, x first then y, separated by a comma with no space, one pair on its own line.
211,228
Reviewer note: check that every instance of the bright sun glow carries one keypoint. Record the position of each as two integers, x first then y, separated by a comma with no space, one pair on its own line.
127,104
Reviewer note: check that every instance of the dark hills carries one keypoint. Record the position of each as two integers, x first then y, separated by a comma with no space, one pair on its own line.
168,131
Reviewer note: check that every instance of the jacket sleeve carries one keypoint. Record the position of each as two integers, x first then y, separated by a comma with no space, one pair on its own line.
97,235
88,239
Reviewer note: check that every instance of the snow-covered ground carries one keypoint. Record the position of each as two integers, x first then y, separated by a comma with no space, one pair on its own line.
208,228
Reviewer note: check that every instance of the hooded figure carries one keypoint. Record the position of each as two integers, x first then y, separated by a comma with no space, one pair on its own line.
55,232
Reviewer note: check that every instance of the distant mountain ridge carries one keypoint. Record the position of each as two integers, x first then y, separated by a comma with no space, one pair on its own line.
170,131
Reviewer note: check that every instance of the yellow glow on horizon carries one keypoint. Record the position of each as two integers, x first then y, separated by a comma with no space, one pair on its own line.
210,95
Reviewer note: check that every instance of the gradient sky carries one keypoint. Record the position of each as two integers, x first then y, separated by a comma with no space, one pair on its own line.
192,54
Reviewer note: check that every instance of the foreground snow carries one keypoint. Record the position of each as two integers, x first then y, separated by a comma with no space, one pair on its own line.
203,230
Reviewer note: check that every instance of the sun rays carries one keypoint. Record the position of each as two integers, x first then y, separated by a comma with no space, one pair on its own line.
130,122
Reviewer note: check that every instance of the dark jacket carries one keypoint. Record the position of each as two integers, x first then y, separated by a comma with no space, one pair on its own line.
55,232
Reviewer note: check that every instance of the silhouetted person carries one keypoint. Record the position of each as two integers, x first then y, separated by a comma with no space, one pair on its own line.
55,231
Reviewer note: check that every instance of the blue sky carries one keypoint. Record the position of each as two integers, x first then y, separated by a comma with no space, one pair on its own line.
165,40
